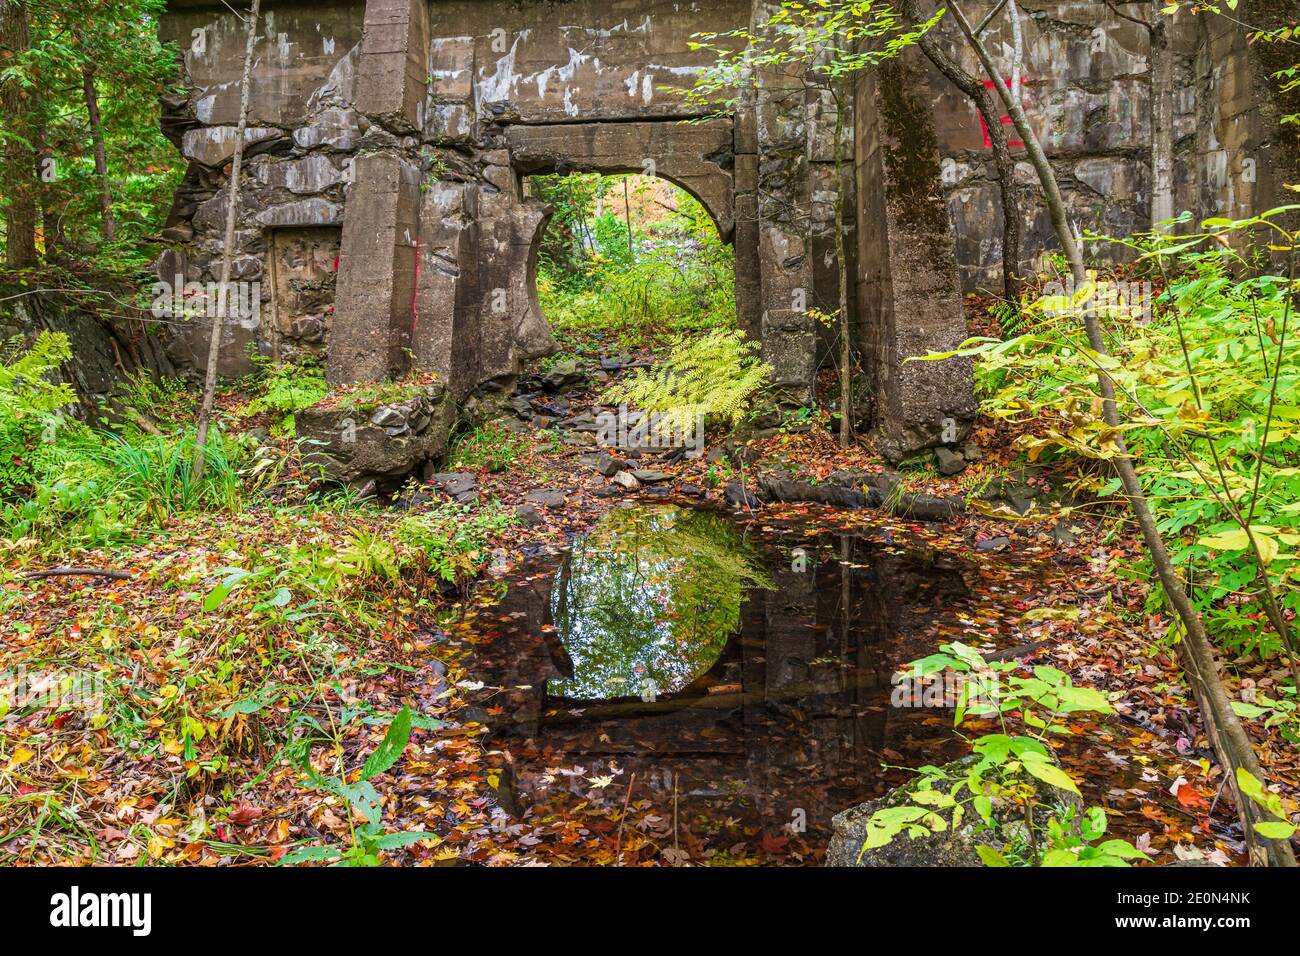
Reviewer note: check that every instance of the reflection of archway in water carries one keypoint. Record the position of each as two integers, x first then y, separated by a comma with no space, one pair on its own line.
795,713
646,604
618,252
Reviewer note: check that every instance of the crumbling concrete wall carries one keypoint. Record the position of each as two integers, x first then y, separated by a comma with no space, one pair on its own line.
1088,94
408,127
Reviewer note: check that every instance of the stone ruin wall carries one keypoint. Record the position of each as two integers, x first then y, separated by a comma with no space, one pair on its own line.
385,214
1087,92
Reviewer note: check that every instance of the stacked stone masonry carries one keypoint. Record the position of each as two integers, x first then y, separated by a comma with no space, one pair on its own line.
387,218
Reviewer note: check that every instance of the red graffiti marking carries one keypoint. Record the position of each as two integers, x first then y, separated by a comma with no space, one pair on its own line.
1005,120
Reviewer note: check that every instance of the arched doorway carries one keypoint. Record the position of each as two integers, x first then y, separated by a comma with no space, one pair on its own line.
695,160
624,259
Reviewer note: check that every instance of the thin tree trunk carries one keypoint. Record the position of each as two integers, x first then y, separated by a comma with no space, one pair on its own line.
979,94
18,177
101,158
227,251
627,217
1224,730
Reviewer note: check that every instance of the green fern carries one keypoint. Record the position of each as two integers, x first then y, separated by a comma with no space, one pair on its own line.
286,389
32,426
25,387
715,374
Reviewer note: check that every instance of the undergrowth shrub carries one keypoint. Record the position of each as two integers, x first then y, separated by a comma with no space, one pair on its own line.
1208,380
489,447
284,390
451,541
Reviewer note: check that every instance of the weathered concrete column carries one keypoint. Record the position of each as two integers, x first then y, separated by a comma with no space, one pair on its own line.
444,327
376,284
511,328
749,295
909,296
784,204
392,76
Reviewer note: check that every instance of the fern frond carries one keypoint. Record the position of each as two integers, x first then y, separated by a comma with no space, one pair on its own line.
715,374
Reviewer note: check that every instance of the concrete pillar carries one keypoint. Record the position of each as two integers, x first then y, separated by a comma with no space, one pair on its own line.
908,292
376,283
374,301
749,301
393,72
444,328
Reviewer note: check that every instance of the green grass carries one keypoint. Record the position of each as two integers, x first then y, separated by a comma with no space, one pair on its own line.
489,447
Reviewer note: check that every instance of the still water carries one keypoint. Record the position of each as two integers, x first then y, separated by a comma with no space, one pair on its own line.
739,678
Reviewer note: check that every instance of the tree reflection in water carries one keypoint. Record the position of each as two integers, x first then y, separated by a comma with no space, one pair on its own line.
649,600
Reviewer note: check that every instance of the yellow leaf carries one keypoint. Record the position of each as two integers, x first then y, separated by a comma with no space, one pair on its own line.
1232,540
20,757
1268,547
158,845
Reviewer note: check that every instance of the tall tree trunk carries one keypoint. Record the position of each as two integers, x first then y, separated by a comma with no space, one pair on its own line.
227,251
1224,730
18,170
979,94
101,158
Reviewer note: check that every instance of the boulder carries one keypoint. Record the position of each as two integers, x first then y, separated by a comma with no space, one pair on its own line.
650,476
949,462
546,498
607,465
561,375
351,447
528,516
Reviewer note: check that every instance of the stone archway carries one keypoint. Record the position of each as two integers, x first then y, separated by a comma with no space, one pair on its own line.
697,157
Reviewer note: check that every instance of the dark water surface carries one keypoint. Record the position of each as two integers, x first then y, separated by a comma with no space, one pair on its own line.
742,675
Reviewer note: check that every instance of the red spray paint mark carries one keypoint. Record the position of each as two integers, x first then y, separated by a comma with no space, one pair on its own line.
1004,120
